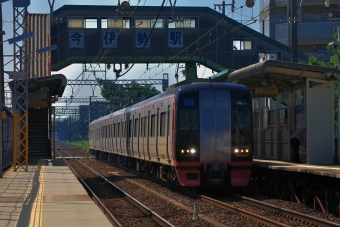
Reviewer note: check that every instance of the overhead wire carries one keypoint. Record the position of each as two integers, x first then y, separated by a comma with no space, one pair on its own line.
246,24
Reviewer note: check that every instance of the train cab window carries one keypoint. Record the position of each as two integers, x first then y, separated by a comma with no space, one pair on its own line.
162,124
188,115
153,120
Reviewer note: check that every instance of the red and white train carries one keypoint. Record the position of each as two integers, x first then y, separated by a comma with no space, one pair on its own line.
200,135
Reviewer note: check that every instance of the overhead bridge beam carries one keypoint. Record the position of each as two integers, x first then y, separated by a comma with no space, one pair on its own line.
120,82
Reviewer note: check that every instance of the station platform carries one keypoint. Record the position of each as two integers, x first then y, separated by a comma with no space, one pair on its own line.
321,170
48,194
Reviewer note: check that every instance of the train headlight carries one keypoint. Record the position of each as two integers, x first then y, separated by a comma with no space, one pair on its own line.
247,150
182,151
236,150
187,151
192,151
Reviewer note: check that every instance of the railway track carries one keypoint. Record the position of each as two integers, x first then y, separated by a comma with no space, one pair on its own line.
217,212
300,218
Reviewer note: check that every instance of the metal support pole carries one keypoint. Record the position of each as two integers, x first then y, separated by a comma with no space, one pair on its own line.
335,44
2,89
294,31
288,24
20,89
338,82
54,132
90,110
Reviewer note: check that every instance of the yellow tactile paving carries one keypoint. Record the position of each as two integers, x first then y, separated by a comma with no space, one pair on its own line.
48,194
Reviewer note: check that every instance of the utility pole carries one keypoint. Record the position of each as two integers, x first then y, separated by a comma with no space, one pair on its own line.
223,5
294,21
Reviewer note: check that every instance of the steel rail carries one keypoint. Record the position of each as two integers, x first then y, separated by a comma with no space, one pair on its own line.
244,213
107,213
289,213
154,216
252,216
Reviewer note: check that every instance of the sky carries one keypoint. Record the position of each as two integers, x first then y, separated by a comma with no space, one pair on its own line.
241,13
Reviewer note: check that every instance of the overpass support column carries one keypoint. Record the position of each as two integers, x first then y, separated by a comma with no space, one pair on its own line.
190,70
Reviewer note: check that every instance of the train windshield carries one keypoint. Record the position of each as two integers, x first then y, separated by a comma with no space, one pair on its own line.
215,125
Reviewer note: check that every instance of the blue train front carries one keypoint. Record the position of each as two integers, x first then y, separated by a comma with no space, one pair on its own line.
197,134
214,135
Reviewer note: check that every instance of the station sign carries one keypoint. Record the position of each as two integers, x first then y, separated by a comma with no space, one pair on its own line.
266,91
16,75
37,103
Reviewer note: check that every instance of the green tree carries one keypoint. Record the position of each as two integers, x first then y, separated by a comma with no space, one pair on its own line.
117,92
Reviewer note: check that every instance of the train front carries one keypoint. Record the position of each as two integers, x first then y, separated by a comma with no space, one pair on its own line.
214,135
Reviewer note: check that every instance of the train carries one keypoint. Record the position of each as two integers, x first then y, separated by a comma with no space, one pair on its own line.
197,135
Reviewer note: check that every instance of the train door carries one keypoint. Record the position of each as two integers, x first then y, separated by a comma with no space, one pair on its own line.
144,129
215,136
157,133
119,136
167,130
148,136
138,125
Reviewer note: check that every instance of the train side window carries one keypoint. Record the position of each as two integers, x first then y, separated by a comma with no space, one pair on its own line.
118,130
141,127
162,124
129,128
153,119
110,134
97,136
114,130
157,123
148,127
136,127
124,130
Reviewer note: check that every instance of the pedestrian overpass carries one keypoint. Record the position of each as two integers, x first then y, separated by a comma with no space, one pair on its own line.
151,34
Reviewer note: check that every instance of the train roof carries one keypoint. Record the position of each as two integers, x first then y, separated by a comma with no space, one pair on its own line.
183,86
